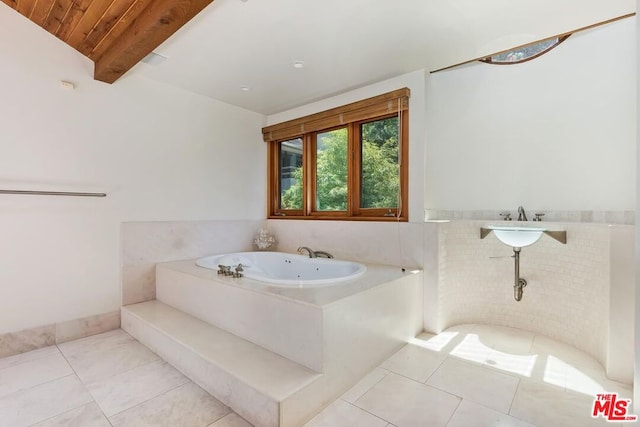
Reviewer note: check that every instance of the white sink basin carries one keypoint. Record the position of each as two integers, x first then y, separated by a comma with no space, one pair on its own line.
517,237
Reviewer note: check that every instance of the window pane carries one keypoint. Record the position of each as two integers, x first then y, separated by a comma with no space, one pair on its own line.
331,170
291,174
525,52
380,174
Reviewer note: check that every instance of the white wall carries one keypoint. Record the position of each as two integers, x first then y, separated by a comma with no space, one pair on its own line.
555,133
160,154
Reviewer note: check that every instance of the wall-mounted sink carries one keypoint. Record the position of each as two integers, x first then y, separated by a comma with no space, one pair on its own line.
521,236
517,237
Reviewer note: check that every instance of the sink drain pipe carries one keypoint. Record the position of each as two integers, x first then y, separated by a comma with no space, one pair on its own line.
519,284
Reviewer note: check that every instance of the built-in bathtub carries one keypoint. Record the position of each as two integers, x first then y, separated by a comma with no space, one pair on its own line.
286,270
339,333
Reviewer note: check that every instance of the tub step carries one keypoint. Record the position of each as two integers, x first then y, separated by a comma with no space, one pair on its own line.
244,376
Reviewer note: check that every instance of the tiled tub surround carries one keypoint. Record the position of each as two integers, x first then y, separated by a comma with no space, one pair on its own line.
330,336
56,333
389,243
580,293
144,244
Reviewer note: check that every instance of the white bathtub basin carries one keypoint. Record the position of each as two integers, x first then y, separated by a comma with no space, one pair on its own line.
287,270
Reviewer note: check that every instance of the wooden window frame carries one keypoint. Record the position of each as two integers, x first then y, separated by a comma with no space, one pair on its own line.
351,117
403,157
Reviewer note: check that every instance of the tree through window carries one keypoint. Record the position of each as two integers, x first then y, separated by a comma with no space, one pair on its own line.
354,170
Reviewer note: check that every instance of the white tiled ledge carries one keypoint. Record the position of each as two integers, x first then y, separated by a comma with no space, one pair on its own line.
596,217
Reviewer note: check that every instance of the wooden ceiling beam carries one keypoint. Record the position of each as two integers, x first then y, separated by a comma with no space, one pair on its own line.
151,28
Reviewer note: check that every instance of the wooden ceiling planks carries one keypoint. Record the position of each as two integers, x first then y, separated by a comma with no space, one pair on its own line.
109,18
119,29
41,11
25,7
72,19
91,17
56,15
159,21
115,34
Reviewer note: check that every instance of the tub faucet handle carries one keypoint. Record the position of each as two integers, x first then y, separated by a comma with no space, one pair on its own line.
506,216
238,272
539,216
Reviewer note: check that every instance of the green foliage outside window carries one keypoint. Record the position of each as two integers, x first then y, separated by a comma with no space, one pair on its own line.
380,168
379,176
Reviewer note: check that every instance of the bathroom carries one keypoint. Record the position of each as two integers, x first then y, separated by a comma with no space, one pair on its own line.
568,151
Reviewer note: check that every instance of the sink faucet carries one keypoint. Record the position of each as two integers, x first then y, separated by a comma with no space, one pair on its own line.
521,215
311,253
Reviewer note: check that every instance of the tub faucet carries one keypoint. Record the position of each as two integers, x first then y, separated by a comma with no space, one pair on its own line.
323,254
311,253
521,215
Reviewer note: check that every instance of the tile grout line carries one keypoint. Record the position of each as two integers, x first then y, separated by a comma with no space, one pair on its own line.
363,410
84,386
511,406
369,389
151,398
436,370
159,359
403,376
50,381
513,398
454,411
29,360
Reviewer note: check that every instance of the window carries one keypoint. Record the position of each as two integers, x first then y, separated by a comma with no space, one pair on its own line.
346,163
524,53
290,173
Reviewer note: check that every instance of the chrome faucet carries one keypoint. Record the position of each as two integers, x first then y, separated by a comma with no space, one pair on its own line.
521,215
311,253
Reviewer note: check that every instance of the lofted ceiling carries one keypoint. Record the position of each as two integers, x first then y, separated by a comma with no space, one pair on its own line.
243,51
114,34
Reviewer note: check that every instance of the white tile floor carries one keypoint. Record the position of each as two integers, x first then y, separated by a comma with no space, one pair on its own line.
106,380
471,375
